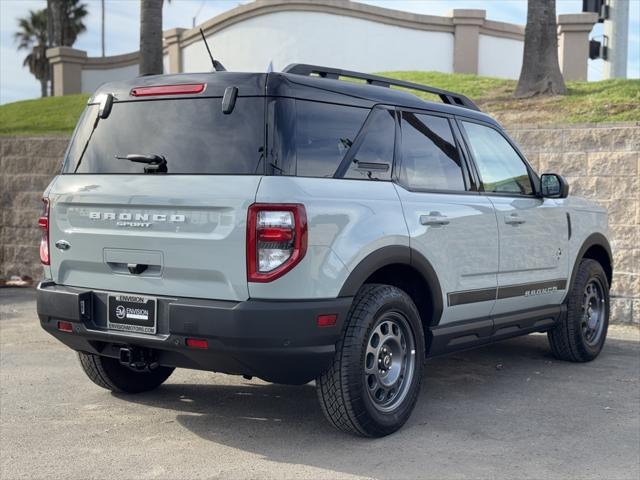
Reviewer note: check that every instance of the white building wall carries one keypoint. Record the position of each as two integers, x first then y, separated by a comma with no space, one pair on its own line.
322,39
499,57
92,79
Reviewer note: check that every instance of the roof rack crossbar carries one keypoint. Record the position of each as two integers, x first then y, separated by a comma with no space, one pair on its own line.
450,98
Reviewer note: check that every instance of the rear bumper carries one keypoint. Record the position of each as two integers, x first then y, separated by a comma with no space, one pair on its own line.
278,341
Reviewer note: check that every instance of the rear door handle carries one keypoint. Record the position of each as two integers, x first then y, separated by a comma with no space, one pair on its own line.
434,219
514,219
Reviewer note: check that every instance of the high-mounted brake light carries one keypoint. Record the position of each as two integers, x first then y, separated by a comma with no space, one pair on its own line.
276,239
43,223
182,89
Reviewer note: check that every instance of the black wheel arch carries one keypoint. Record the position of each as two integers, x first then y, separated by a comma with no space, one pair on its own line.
597,247
398,259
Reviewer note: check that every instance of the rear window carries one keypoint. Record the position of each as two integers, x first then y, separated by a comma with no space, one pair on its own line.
193,135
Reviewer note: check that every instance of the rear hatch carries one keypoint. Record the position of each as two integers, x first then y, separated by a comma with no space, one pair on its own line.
179,233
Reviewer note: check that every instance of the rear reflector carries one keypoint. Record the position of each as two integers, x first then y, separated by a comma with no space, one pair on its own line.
327,320
197,343
168,90
65,327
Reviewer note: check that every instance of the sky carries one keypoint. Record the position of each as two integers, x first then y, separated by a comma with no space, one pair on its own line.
122,29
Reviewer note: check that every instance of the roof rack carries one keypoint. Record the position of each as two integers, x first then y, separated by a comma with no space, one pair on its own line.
450,98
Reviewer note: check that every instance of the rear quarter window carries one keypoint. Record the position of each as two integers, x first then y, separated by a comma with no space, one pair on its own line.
323,135
193,135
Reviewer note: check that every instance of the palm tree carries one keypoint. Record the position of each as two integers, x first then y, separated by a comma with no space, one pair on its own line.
540,74
68,16
33,36
150,37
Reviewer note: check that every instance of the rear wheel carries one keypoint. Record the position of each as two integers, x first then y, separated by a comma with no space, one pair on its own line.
109,373
373,384
580,336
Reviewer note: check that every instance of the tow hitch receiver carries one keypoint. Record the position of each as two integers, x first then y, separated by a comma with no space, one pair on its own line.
139,359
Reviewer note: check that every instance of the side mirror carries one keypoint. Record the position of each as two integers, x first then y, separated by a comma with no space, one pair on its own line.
553,186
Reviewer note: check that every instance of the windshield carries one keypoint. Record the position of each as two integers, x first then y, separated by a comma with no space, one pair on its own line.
193,135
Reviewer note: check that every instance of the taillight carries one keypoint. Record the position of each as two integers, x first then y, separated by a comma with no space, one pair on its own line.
43,223
276,240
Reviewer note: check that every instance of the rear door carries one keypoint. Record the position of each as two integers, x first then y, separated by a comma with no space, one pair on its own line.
533,230
450,225
180,233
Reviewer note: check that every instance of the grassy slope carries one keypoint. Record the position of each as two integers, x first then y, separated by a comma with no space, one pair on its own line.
41,116
605,101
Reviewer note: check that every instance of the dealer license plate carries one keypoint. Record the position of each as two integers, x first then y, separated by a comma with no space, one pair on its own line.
132,313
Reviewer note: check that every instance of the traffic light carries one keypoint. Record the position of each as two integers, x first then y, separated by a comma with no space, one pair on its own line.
597,6
598,49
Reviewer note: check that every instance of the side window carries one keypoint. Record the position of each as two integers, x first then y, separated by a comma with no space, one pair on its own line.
500,167
374,157
324,133
430,158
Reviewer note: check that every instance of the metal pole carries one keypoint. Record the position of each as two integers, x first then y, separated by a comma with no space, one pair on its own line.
616,28
50,41
102,21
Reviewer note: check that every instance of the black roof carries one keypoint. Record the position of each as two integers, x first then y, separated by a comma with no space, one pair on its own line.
291,85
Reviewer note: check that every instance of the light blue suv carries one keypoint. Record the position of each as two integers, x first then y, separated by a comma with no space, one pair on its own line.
296,227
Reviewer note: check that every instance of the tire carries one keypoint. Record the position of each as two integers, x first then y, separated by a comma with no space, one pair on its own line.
109,373
349,391
580,335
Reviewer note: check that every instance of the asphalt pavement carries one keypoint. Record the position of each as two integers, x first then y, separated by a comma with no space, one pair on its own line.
503,411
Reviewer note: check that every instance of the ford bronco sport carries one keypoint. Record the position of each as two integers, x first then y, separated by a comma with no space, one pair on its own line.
295,227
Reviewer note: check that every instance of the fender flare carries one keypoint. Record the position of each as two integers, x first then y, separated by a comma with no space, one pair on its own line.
595,239
394,255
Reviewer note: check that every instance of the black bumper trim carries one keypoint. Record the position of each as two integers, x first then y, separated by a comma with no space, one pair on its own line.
277,341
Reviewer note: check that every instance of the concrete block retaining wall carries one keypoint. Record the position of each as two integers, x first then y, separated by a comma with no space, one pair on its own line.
601,163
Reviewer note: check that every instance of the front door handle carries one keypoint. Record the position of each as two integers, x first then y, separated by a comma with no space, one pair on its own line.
434,219
514,219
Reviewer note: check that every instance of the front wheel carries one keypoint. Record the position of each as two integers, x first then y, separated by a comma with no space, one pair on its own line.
373,384
580,335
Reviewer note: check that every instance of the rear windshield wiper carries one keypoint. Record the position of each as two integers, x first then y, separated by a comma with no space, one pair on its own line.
157,163
104,110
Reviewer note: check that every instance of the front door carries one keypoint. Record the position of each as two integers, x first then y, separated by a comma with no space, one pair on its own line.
533,231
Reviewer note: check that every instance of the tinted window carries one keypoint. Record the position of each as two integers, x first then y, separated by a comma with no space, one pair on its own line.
374,157
192,134
282,132
324,133
501,168
430,158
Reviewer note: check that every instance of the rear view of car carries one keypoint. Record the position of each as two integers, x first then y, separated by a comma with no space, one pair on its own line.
152,236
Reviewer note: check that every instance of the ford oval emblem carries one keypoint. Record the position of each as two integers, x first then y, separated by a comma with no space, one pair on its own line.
63,245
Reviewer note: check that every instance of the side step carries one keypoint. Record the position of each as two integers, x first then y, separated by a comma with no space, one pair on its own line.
473,333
